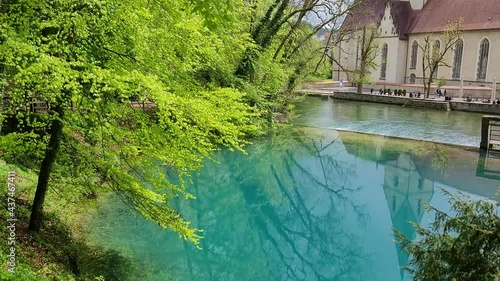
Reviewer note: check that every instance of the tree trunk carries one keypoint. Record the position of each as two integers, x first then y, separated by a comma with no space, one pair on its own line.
364,53
43,176
429,81
360,87
262,35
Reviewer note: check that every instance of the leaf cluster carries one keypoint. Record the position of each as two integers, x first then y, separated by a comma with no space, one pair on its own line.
463,246
142,90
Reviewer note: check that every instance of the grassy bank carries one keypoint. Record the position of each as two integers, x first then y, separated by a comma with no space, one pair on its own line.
61,251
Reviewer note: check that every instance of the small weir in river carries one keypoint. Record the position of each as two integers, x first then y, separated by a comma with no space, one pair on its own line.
452,127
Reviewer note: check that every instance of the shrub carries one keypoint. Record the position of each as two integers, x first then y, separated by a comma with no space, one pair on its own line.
463,246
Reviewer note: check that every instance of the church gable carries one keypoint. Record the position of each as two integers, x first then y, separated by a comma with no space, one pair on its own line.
387,28
393,18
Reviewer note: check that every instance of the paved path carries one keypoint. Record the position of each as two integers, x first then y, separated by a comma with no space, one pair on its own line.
331,91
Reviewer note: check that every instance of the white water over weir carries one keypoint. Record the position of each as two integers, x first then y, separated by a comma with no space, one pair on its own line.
451,127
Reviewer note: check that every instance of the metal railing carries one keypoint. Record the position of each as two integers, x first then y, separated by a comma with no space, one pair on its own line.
494,135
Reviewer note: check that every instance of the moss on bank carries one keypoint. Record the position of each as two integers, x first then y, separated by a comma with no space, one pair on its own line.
61,250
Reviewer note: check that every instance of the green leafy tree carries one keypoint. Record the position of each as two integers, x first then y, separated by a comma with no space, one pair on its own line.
133,99
280,32
434,55
367,54
464,246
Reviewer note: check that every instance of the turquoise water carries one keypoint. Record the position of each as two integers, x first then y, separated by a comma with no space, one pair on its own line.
455,127
311,204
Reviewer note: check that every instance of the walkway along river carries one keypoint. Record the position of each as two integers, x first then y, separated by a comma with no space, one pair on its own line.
430,103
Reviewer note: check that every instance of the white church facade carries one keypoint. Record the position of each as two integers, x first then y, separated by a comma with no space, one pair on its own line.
401,28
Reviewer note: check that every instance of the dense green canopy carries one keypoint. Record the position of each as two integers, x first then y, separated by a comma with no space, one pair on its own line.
134,94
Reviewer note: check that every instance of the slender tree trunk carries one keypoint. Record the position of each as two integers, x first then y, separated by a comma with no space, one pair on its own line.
364,53
429,81
43,176
424,80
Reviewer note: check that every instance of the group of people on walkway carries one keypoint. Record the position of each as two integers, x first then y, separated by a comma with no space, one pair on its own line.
440,93
399,93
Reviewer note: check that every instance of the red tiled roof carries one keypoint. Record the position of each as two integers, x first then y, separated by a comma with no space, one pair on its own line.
363,13
402,14
477,14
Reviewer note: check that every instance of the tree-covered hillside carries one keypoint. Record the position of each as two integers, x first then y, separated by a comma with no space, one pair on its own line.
126,96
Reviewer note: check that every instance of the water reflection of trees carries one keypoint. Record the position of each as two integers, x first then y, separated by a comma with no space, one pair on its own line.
281,213
286,211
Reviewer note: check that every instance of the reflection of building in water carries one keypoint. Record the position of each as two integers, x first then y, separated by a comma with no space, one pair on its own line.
488,165
408,179
404,188
461,169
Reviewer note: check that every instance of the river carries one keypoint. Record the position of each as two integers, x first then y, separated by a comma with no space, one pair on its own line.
453,127
313,203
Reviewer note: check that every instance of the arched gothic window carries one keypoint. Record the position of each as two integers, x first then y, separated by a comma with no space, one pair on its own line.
457,59
482,64
412,78
436,52
383,64
414,53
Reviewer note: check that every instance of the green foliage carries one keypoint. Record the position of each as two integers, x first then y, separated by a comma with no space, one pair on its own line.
464,246
22,149
94,62
284,52
214,12
89,60
63,248
441,82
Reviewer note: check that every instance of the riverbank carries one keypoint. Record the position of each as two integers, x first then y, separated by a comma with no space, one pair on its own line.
431,103
61,250
476,92
456,103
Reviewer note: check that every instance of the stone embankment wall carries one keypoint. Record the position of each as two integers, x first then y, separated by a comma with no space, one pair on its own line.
420,103
451,91
475,107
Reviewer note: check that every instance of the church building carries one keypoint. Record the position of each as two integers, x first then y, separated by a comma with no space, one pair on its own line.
401,28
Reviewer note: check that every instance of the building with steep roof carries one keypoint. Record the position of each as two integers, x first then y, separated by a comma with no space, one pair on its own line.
401,28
